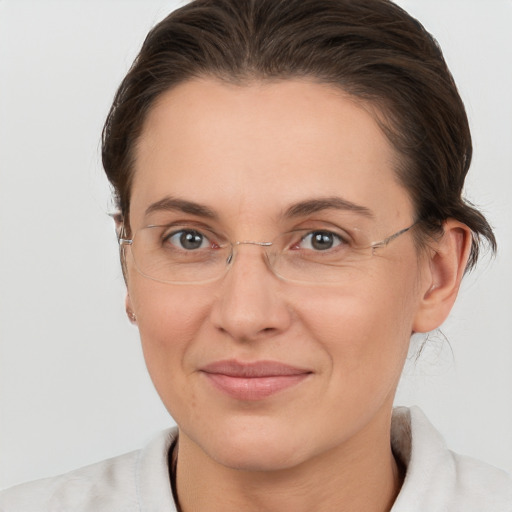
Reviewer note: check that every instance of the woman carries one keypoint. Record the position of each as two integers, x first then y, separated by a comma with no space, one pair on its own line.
289,177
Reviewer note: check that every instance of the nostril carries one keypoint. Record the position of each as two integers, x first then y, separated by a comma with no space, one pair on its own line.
267,331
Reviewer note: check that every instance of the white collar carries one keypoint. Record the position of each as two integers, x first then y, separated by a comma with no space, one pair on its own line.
437,480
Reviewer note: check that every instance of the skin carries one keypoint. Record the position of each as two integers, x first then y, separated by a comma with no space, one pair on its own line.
248,153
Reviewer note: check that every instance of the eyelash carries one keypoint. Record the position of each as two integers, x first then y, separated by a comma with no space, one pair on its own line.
193,232
319,235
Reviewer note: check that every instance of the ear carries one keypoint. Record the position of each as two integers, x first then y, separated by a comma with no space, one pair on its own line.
129,309
118,221
444,269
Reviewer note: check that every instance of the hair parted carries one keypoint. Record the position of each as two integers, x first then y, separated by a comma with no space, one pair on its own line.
371,49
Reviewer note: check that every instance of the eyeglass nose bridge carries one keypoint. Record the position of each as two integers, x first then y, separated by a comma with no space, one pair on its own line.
245,242
252,242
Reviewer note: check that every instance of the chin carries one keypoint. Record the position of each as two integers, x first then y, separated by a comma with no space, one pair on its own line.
265,457
253,445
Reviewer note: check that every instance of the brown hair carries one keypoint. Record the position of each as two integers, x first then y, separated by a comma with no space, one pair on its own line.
371,49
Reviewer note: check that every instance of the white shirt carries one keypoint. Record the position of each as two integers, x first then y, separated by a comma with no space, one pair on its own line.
437,480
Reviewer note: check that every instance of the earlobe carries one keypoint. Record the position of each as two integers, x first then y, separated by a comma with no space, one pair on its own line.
444,271
129,309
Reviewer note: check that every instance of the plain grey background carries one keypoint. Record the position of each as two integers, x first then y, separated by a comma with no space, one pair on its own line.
73,386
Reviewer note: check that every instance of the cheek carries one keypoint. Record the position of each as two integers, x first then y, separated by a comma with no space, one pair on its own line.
169,319
365,330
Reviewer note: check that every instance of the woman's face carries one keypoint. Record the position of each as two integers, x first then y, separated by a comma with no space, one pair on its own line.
259,372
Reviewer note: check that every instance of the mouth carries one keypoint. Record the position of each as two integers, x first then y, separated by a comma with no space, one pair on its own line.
253,381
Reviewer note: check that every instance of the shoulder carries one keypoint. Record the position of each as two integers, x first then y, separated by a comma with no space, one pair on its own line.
439,479
482,482
110,481
120,483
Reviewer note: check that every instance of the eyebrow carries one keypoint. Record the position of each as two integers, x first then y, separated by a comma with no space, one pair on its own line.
310,206
299,209
182,205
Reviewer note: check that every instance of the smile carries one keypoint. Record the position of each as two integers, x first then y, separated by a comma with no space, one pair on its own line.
253,381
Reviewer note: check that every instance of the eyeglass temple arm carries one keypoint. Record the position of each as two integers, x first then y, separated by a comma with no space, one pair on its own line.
389,239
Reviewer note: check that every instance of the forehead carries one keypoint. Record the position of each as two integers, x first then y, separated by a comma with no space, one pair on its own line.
245,150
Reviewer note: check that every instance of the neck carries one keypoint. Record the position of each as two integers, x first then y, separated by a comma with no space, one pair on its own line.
361,475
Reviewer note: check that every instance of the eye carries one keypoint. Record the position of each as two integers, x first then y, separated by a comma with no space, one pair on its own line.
320,241
188,239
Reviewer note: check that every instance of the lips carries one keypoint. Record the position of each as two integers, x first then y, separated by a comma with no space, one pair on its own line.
253,381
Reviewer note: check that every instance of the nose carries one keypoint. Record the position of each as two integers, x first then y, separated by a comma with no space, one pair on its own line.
251,303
